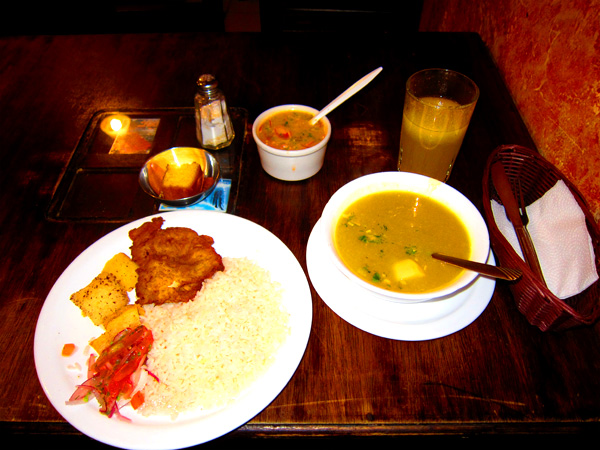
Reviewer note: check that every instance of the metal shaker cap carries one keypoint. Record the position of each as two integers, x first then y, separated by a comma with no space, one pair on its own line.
207,82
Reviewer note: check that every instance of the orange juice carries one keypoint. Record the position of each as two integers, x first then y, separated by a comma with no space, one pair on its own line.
432,133
438,106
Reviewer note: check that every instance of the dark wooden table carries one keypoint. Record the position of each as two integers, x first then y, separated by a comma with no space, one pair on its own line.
498,377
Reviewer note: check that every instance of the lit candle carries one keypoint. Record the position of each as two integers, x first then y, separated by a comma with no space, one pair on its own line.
115,124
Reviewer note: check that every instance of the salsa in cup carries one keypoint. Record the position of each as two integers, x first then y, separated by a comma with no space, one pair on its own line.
290,130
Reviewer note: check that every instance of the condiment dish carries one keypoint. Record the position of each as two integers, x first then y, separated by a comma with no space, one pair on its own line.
291,165
185,188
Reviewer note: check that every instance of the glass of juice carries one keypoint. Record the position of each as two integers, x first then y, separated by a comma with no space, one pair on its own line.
438,106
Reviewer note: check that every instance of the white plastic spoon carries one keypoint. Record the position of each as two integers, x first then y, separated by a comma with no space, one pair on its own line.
345,95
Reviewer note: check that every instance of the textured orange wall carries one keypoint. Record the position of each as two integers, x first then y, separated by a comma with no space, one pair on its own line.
548,52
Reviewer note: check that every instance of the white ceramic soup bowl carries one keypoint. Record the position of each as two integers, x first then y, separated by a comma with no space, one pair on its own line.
291,165
425,187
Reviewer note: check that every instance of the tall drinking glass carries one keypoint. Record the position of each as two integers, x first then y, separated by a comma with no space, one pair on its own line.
438,107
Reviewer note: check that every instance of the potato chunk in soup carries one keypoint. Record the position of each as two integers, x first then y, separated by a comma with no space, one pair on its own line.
387,238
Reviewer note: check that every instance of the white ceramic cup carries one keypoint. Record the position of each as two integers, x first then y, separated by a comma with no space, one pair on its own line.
291,165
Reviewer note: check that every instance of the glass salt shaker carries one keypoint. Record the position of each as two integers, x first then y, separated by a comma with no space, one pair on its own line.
213,125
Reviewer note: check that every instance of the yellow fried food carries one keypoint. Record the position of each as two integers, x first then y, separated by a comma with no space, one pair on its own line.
181,181
127,317
122,267
102,298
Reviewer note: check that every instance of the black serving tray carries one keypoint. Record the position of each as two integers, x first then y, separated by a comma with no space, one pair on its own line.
100,183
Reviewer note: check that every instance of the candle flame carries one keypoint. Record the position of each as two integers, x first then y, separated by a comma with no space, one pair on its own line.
116,124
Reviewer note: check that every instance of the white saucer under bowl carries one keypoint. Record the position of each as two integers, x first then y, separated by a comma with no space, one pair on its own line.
400,321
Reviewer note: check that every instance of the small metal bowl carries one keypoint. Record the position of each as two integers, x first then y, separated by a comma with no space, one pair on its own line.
154,169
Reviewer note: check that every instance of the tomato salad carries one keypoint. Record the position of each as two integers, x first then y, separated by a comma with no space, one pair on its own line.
114,376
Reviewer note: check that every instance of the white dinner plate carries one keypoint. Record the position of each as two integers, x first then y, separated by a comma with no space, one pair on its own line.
400,321
61,322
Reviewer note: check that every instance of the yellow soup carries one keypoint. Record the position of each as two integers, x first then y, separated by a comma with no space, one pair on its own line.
290,130
387,238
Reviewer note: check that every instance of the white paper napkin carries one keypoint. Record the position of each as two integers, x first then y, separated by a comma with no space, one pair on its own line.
558,230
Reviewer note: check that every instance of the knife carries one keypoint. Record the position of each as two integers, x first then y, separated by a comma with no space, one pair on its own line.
505,192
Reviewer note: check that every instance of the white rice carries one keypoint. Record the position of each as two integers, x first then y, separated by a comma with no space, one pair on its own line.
208,350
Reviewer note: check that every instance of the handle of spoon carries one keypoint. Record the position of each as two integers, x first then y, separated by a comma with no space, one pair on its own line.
346,95
484,269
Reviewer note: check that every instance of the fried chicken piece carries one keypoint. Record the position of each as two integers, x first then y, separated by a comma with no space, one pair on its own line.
173,263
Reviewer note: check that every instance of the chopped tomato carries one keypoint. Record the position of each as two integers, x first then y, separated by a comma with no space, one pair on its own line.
282,132
68,349
137,400
114,371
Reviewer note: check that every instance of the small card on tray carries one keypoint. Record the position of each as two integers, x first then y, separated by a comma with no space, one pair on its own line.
216,201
